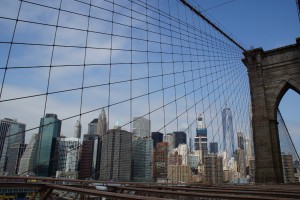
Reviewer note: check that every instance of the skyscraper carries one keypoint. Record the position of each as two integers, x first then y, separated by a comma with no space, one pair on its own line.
141,127
213,148
92,128
240,159
10,127
288,168
28,159
183,150
4,131
170,139
250,148
102,123
241,142
68,155
142,159
200,140
77,131
228,136
180,138
14,155
201,135
179,174
201,129
90,156
12,133
49,133
213,170
160,162
156,137
116,155
241,155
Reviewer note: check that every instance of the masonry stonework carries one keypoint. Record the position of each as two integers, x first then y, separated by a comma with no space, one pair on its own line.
271,73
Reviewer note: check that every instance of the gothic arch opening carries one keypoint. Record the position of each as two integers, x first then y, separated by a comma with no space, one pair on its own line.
291,88
288,123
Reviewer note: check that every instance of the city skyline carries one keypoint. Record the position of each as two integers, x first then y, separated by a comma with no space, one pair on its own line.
199,126
179,140
74,69
77,130
170,101
67,163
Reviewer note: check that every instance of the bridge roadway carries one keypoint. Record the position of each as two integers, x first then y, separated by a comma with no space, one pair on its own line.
48,188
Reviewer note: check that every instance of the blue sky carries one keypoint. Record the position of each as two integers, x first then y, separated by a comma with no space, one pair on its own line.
267,24
259,23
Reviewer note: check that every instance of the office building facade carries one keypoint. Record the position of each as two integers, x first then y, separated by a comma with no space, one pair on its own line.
28,159
14,155
213,148
200,141
68,155
142,159
156,137
141,127
179,174
288,168
193,161
213,170
102,123
241,141
180,138
116,155
12,135
77,130
160,162
228,135
174,158
89,165
92,127
170,139
48,137
183,150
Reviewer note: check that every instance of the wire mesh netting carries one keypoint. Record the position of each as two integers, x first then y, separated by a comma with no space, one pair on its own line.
154,60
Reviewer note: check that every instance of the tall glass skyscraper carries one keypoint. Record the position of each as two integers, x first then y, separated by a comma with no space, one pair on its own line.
228,136
12,134
142,149
49,133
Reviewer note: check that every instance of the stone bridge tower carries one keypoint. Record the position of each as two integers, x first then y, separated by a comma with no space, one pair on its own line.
271,74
